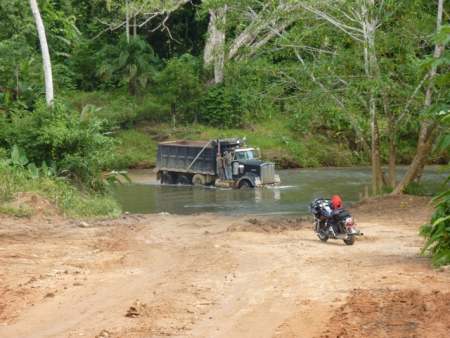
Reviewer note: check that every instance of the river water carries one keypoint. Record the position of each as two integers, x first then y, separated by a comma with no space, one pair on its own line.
298,187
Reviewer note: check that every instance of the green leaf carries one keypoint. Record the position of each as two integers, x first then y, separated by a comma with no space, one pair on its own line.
33,170
440,220
18,157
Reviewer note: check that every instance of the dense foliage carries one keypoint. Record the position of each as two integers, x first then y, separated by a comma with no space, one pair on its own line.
59,138
300,78
437,232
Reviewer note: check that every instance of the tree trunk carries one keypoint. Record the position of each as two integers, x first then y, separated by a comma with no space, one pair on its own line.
173,111
214,53
127,22
424,146
427,127
392,142
372,72
392,131
377,174
48,78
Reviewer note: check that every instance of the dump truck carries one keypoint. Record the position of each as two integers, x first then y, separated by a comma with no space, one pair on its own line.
220,162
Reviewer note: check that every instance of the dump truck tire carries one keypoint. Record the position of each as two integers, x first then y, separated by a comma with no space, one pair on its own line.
245,184
184,180
167,178
199,179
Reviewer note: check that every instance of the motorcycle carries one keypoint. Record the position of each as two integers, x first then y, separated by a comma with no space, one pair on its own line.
334,224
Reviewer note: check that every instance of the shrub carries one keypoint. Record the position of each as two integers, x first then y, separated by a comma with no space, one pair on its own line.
132,63
115,108
179,88
77,147
437,232
221,107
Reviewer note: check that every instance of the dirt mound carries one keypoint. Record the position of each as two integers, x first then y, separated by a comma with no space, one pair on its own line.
392,313
37,205
268,225
377,206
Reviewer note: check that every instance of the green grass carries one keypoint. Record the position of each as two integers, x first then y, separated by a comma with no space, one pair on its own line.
137,147
134,149
71,201
138,136
22,211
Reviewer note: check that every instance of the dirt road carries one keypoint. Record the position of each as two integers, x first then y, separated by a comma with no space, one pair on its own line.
217,276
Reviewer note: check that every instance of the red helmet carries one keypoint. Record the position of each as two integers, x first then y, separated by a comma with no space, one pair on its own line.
336,202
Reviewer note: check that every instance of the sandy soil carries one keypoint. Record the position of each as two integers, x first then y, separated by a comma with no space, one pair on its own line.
217,276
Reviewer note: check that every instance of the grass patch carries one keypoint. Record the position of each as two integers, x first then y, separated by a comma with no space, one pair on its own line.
137,147
417,189
67,198
134,149
22,211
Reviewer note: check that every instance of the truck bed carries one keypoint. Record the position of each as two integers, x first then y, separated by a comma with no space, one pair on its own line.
178,156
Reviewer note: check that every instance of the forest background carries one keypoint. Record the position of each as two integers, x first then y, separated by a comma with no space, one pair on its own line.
311,83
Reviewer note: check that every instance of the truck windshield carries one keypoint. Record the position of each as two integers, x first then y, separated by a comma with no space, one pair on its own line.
248,154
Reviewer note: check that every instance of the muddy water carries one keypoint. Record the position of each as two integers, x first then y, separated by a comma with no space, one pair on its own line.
293,196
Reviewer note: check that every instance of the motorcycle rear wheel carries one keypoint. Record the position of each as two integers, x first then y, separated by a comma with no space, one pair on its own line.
350,240
322,236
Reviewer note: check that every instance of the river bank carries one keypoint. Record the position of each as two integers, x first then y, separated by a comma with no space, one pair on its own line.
136,148
278,142
212,275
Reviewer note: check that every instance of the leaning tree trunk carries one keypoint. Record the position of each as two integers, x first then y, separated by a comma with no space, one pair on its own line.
214,53
48,78
427,127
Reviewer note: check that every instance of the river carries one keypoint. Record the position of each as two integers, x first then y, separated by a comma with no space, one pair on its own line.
298,187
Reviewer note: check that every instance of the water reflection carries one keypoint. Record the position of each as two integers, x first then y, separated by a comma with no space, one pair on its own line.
293,197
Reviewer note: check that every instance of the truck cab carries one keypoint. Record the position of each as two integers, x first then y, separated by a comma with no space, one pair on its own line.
250,171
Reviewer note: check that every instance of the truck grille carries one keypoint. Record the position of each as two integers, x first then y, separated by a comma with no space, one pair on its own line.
267,173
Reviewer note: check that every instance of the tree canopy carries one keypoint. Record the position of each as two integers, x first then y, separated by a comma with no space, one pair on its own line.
369,74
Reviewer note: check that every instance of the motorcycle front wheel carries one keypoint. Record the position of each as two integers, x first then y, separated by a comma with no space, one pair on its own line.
350,240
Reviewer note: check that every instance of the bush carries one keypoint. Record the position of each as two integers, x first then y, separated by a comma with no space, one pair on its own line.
132,63
437,232
221,107
58,136
114,108
179,87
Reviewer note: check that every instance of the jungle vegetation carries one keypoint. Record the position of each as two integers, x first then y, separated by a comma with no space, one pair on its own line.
90,86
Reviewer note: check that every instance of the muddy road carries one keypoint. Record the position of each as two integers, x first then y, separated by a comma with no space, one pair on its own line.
221,276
